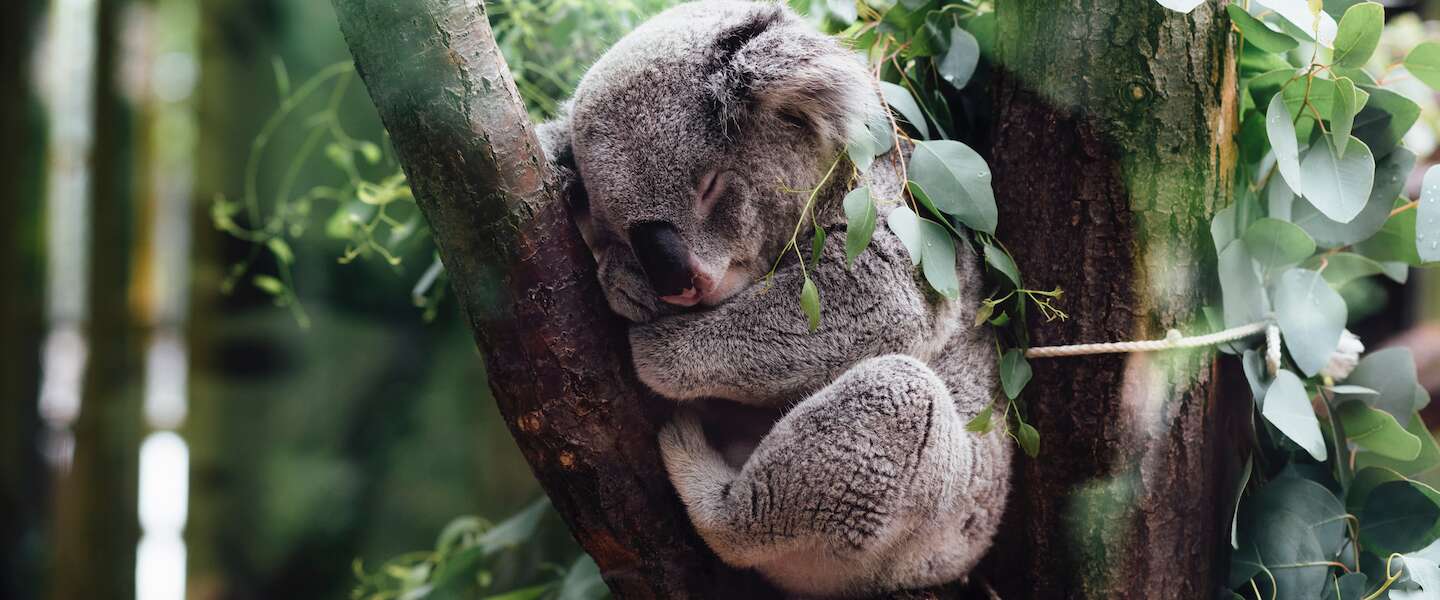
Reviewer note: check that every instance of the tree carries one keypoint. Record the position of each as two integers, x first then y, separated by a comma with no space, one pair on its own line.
1120,146
1110,159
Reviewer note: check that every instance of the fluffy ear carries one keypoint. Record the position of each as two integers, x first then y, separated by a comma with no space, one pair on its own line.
555,141
772,65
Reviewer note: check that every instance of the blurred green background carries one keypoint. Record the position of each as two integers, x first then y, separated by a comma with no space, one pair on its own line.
361,435
168,431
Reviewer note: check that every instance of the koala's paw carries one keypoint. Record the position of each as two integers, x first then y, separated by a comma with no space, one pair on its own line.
657,348
689,458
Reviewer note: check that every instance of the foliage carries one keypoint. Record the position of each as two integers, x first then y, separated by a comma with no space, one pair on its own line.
925,55
458,567
1339,498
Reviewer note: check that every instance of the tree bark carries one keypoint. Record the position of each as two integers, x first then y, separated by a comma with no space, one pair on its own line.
1112,150
557,358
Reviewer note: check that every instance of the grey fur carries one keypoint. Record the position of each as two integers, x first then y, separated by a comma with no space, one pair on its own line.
869,483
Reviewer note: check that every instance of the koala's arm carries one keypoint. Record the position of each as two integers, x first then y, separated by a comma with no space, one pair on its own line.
757,349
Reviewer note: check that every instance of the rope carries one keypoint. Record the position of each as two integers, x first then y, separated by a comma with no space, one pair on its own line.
1173,340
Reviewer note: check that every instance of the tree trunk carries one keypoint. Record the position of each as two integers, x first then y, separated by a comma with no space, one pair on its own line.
557,358
1112,150
21,315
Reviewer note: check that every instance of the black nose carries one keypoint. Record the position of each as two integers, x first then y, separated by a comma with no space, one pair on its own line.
664,257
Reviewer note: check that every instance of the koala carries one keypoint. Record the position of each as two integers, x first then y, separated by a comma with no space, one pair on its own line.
690,151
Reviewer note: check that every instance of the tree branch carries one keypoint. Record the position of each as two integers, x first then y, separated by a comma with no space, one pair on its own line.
557,358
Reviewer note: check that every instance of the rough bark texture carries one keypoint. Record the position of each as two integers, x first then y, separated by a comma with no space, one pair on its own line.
557,358
1112,149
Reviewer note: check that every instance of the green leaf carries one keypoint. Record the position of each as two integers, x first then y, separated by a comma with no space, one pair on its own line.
1285,546
1342,116
1258,33
843,10
1014,372
906,226
269,285
817,246
939,258
1423,63
983,312
1313,503
860,215
958,64
900,99
1244,298
980,423
873,139
1338,186
1239,495
281,250
1029,440
1422,572
1427,217
1395,242
515,530
1377,431
1281,131
1311,317
810,303
370,151
1351,586
1287,407
1390,174
1275,243
1222,228
957,180
1386,118
1397,517
526,593
1001,262
1345,267
1391,373
1359,34
1427,459
457,531
582,581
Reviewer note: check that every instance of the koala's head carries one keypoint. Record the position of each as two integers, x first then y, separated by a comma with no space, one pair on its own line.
697,138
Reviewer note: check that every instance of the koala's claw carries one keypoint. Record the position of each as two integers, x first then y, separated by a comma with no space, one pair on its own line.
683,439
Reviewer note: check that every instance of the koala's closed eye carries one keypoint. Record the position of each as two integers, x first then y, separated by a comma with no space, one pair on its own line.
711,187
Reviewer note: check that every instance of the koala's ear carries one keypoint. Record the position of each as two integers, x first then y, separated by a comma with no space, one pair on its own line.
772,65
555,141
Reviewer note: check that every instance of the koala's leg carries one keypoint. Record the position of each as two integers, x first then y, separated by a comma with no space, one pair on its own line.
841,475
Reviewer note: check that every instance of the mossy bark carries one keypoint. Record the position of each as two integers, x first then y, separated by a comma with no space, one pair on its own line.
1112,149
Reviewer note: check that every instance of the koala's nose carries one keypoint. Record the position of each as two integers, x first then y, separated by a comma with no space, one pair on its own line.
664,257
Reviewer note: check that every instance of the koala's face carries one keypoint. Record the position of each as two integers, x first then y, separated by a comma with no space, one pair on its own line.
697,138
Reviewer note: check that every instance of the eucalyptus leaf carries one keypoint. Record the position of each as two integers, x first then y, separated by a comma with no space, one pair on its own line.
1342,268
1313,503
1423,63
1244,297
810,304
957,180
1235,506
1424,574
1287,407
1311,317
1390,174
1338,186
1000,261
1014,372
906,226
1427,217
958,64
1386,118
939,258
1286,547
1397,517
900,99
860,215
1258,33
1391,373
844,10
1342,116
1359,34
1029,439
1275,243
515,530
1377,431
1222,228
1427,459
1281,132
1395,242
582,581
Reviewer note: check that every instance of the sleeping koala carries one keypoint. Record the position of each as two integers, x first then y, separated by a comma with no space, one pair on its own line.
691,149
